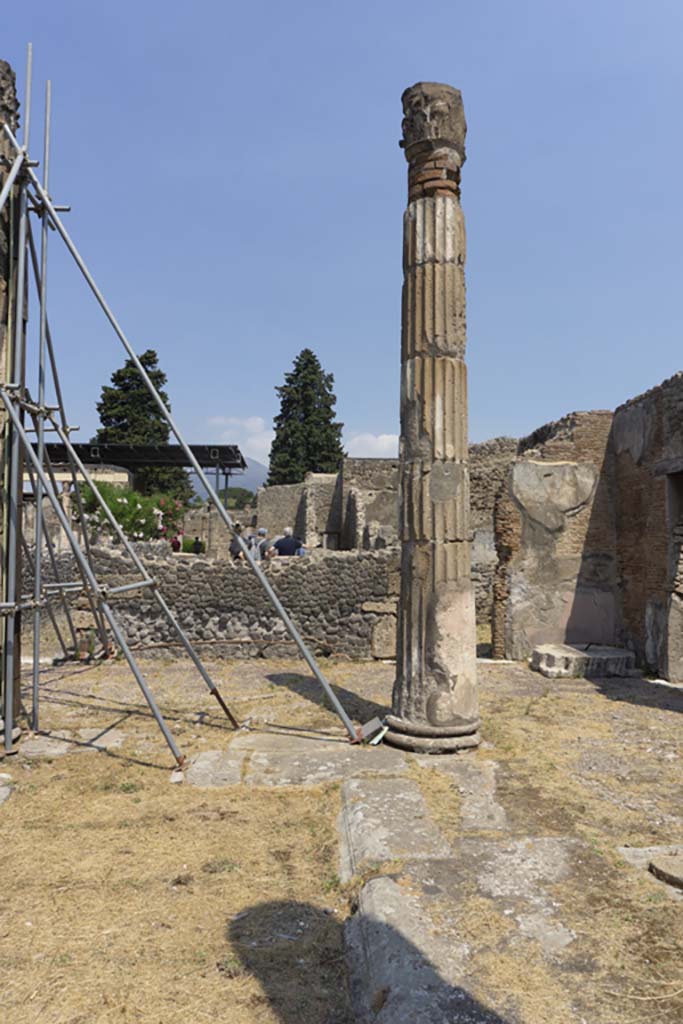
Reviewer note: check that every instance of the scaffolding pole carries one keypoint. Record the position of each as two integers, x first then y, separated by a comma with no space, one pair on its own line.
38,279
87,571
170,617
38,493
15,482
215,500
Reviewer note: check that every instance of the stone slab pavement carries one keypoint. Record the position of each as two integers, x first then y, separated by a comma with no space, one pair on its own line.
408,958
382,820
291,758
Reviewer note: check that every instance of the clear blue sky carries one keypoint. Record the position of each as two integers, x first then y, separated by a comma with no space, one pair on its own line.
237,189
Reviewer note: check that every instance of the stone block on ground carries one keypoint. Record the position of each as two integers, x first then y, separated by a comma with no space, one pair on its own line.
402,968
385,820
215,768
668,868
584,661
37,747
408,961
99,739
287,759
476,783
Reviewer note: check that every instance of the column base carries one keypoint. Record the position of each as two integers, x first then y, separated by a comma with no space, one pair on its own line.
428,739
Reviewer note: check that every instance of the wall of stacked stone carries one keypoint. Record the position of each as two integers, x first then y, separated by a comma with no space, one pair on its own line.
647,439
343,603
489,462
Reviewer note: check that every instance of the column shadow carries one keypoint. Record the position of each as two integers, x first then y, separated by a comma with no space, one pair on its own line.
297,953
354,704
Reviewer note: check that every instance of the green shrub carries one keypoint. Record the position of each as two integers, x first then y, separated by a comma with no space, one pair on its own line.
140,516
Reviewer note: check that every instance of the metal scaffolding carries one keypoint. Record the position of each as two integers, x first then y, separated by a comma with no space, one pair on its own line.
31,197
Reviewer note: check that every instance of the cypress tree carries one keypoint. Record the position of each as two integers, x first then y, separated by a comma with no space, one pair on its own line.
129,415
307,438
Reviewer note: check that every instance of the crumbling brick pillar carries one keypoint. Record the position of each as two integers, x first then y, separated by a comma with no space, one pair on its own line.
435,705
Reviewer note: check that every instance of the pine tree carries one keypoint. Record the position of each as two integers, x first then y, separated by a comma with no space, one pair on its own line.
307,439
129,415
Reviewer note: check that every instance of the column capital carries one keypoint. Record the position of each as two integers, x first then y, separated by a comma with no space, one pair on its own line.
433,119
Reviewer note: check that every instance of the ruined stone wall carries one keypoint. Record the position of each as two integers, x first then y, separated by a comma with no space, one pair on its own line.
320,511
343,603
648,449
369,503
205,523
358,509
555,533
489,462
280,506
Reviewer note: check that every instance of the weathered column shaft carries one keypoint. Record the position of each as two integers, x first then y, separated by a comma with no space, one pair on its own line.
435,703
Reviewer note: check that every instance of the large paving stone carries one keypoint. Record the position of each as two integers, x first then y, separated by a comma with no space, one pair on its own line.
277,759
403,967
668,869
99,739
37,747
408,961
214,768
384,820
476,783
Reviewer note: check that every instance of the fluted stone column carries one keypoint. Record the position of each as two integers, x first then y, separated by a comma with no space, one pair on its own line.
435,705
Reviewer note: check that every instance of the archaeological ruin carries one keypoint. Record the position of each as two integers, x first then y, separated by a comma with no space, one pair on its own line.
569,536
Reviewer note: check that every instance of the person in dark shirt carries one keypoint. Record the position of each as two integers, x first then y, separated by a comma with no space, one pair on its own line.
197,546
235,549
289,544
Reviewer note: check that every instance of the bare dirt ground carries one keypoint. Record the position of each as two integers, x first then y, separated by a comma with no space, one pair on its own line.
128,899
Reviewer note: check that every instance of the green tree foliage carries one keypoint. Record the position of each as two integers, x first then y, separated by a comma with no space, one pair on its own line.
307,438
129,415
140,516
237,497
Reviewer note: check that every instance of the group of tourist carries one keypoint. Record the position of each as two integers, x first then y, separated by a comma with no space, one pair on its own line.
261,547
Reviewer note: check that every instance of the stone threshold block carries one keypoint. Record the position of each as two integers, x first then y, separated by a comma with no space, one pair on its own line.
408,960
582,661
476,783
289,759
384,820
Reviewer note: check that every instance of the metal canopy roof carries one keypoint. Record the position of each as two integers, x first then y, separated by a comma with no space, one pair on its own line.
131,456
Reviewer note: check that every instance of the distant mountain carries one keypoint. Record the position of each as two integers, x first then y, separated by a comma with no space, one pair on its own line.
253,477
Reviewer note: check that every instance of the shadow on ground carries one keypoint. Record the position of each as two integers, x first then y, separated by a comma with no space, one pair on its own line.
354,704
640,692
296,952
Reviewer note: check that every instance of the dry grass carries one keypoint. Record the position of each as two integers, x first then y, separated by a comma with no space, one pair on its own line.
134,900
